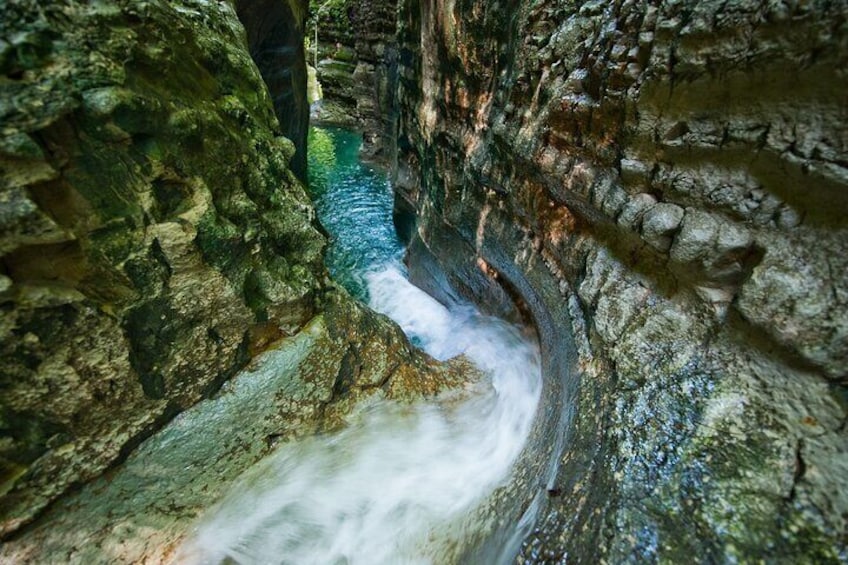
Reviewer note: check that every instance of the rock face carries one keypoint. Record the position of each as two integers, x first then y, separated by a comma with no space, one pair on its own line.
153,239
142,510
152,232
357,68
275,40
662,188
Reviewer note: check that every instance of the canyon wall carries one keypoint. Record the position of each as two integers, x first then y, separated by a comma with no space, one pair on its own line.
661,187
275,42
153,239
357,68
153,233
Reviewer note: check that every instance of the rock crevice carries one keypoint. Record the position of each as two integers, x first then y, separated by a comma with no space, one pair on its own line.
357,68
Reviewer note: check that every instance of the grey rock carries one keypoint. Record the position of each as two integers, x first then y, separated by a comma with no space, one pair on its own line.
712,370
634,209
659,224
698,233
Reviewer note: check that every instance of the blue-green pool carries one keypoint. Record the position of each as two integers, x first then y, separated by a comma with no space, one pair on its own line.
354,204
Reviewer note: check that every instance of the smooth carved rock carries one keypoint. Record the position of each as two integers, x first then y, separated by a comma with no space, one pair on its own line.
143,509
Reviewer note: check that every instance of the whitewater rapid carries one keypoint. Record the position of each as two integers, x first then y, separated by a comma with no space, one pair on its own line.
399,484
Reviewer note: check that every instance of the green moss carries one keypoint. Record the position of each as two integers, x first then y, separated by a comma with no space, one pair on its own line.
114,242
330,14
173,197
20,146
10,472
152,330
107,181
798,542
150,110
220,241
32,434
256,291
149,272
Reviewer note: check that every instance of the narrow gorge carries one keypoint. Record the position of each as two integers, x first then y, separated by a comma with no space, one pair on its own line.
628,217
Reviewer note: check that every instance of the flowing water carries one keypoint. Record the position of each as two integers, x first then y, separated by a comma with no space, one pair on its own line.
400,484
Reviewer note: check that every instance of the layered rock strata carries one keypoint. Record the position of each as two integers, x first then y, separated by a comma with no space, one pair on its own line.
661,185
357,69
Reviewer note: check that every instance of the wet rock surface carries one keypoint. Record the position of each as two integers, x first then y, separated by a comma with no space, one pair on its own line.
153,235
154,239
311,382
357,67
660,185
275,41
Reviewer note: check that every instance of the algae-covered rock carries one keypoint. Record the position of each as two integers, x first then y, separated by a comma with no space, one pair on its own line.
357,63
275,30
144,182
154,239
309,382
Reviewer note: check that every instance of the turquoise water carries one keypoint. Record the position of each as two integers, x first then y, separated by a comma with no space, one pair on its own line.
354,203
400,484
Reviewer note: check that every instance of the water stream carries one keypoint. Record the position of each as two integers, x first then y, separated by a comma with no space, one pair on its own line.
400,484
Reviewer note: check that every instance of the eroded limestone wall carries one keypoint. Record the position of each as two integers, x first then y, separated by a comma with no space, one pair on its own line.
357,68
275,40
664,184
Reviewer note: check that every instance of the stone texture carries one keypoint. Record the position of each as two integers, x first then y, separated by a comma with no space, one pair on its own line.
674,172
154,238
357,68
142,510
152,234
660,223
275,40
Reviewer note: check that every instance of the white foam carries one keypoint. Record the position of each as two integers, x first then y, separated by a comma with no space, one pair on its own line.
398,484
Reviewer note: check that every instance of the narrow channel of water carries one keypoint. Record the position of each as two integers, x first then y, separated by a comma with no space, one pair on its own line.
400,483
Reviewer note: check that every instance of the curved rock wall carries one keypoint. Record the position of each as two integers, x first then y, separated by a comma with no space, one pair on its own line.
663,184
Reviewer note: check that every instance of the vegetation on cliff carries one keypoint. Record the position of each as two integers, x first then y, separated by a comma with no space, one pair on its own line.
153,238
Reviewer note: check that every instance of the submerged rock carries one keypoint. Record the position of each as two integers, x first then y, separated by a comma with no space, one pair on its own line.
142,510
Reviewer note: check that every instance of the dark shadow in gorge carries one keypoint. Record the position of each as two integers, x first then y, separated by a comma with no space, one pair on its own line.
275,39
